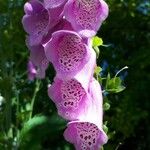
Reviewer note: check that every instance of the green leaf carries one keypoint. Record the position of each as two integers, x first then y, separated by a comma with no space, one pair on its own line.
97,73
107,80
105,128
39,127
97,41
114,85
97,70
111,134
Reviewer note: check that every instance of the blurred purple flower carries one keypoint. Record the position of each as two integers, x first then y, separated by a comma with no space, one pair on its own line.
86,16
38,58
87,133
31,71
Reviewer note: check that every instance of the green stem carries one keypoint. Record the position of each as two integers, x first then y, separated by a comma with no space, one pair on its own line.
118,146
37,87
8,112
126,67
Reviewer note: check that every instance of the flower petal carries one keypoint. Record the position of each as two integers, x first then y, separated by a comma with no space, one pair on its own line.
87,132
31,71
36,21
55,8
33,7
54,3
84,76
63,24
67,52
86,16
38,58
70,97
85,135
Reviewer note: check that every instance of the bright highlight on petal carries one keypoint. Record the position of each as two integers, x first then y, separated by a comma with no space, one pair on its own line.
31,71
54,3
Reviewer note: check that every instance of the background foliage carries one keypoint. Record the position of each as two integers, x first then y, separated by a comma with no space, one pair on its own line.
127,32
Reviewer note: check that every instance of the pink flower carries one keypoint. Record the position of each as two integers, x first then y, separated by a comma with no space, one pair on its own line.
86,133
41,17
71,95
36,21
68,53
86,16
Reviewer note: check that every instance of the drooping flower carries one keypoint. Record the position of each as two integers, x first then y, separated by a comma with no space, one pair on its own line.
41,17
70,95
86,16
38,58
36,21
63,24
68,53
70,98
31,71
87,133
55,8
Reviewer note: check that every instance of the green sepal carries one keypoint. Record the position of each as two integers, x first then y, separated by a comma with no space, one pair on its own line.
114,85
97,41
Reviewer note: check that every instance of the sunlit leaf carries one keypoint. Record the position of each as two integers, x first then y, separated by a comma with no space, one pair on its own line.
97,41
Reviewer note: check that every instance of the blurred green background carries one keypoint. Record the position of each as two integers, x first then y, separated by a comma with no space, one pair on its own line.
127,32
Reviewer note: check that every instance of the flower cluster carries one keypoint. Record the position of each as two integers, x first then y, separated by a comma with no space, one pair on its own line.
60,32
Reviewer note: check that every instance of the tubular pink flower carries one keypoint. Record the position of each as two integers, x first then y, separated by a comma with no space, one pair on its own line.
71,95
67,52
40,17
86,16
87,132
